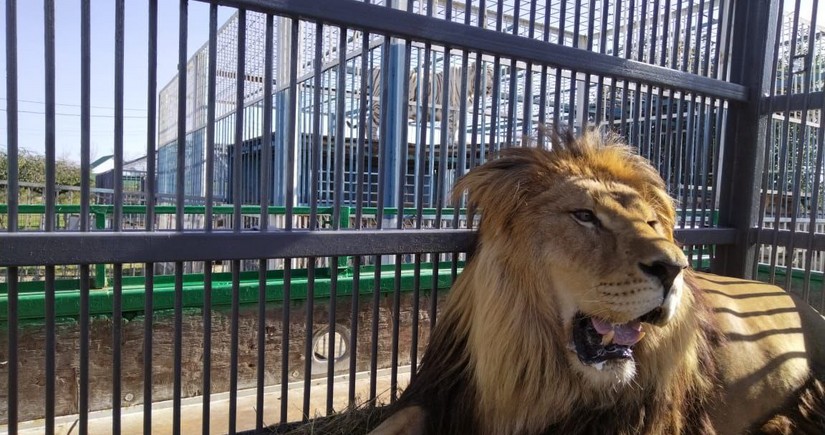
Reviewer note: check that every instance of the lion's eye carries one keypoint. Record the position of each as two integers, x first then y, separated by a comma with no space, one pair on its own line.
585,217
653,224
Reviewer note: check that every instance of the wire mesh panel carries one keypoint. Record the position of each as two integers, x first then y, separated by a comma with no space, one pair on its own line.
283,249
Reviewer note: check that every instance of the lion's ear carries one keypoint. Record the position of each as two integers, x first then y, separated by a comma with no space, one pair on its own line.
502,184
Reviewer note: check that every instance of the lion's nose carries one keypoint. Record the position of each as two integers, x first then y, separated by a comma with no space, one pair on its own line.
665,271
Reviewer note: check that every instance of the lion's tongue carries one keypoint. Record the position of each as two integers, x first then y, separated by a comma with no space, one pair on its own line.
626,334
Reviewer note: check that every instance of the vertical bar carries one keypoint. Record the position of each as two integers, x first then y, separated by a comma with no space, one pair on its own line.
462,124
207,346
84,349
557,91
441,193
208,217
13,198
688,30
333,294
512,100
49,314
376,301
422,148
148,310
617,13
210,116
697,51
180,175
396,325
642,27
591,23
265,180
354,324
527,114
542,89
436,257
85,147
315,153
362,125
310,332
706,57
481,92
237,225
403,151
601,109
233,346
340,88
285,339
117,218
665,32
316,150
415,322
151,121
180,190
117,318
336,209
177,347
49,54
290,162
293,103
572,100
50,346
674,50
384,120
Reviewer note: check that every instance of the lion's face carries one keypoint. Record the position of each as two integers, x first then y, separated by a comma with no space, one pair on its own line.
594,225
616,273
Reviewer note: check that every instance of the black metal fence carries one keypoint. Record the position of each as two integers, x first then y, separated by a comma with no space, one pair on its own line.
313,144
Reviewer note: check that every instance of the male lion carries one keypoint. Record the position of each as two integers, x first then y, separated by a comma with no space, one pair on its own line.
577,314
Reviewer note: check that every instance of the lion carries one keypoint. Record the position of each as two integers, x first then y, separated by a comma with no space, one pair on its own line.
577,313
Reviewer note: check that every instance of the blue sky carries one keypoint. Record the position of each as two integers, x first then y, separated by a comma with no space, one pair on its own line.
31,71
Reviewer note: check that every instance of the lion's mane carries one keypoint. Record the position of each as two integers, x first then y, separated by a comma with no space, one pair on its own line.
496,363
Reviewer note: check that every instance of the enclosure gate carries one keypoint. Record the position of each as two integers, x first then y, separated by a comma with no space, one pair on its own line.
371,112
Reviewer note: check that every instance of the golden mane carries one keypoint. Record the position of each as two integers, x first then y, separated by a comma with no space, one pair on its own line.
575,238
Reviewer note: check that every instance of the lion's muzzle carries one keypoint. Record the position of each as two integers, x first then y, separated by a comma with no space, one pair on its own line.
665,271
669,273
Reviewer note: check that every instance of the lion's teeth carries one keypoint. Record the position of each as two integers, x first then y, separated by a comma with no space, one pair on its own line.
607,338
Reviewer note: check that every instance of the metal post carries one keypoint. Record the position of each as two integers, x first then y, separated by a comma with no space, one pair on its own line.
753,33
283,141
394,142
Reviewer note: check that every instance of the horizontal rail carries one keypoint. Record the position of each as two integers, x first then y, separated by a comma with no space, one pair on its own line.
388,21
30,249
797,239
33,249
780,103
706,236
217,209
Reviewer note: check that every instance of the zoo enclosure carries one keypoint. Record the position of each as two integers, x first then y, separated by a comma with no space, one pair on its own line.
374,110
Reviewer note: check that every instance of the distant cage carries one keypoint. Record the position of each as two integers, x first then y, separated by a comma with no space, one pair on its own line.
285,245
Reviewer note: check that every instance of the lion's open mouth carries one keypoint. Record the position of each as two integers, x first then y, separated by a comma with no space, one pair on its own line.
596,341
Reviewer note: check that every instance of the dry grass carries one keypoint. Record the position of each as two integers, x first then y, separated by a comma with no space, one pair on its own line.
355,421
